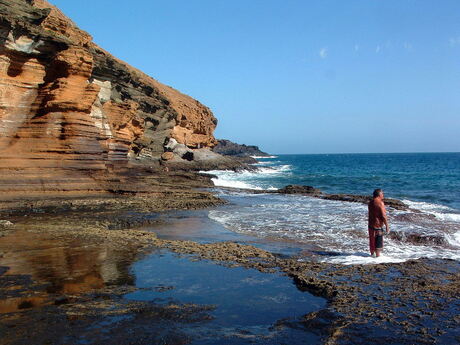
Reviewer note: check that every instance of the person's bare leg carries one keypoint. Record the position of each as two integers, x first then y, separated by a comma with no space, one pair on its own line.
377,252
372,242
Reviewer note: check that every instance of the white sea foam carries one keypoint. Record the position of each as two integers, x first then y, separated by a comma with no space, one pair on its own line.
454,239
264,157
274,170
364,258
263,163
221,182
452,217
250,179
440,211
338,228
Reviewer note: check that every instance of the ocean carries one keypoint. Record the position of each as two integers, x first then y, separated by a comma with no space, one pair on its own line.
336,231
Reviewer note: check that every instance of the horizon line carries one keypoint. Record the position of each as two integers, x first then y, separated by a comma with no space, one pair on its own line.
362,153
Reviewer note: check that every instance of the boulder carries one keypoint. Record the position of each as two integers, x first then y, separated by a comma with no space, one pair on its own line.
181,149
171,144
298,189
167,156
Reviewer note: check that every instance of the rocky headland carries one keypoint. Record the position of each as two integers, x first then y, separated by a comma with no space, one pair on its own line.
74,118
229,148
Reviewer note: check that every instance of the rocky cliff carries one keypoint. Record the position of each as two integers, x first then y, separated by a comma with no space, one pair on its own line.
69,110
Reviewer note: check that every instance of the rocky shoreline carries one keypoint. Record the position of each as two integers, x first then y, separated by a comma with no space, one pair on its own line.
92,151
400,303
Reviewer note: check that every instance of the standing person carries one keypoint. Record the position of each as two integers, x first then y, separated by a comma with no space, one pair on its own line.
377,218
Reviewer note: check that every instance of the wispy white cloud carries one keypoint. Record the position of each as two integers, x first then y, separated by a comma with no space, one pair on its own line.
408,46
378,49
454,41
356,47
323,52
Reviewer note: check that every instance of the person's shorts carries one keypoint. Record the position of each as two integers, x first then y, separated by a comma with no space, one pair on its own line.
378,238
378,241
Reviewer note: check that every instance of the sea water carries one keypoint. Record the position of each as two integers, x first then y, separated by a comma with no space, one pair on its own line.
429,183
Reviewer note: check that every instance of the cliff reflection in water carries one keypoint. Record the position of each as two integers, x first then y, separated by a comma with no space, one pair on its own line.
60,266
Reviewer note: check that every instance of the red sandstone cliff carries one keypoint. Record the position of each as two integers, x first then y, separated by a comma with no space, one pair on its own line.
67,107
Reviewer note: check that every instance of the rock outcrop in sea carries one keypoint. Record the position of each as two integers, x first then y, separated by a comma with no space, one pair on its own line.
73,116
229,148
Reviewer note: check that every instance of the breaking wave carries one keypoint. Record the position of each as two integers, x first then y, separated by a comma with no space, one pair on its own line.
258,179
264,157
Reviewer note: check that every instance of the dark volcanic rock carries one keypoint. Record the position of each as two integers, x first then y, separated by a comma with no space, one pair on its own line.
315,192
228,148
297,189
396,204
417,239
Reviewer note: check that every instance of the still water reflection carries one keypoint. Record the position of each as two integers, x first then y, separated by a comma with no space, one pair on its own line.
56,266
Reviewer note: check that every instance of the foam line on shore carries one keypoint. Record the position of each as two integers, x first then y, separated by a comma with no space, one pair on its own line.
220,182
338,228
258,179
264,157
439,211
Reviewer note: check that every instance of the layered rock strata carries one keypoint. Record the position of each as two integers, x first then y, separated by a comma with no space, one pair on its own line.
70,111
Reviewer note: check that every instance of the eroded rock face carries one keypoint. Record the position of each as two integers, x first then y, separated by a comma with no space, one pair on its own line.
67,104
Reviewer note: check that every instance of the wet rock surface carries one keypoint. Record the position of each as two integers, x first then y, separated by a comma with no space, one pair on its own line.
317,193
73,272
154,190
404,303
397,303
297,189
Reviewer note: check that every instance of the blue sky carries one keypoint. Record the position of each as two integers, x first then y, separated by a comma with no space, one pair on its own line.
299,76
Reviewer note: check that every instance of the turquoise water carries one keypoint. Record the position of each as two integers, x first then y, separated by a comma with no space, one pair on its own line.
427,182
